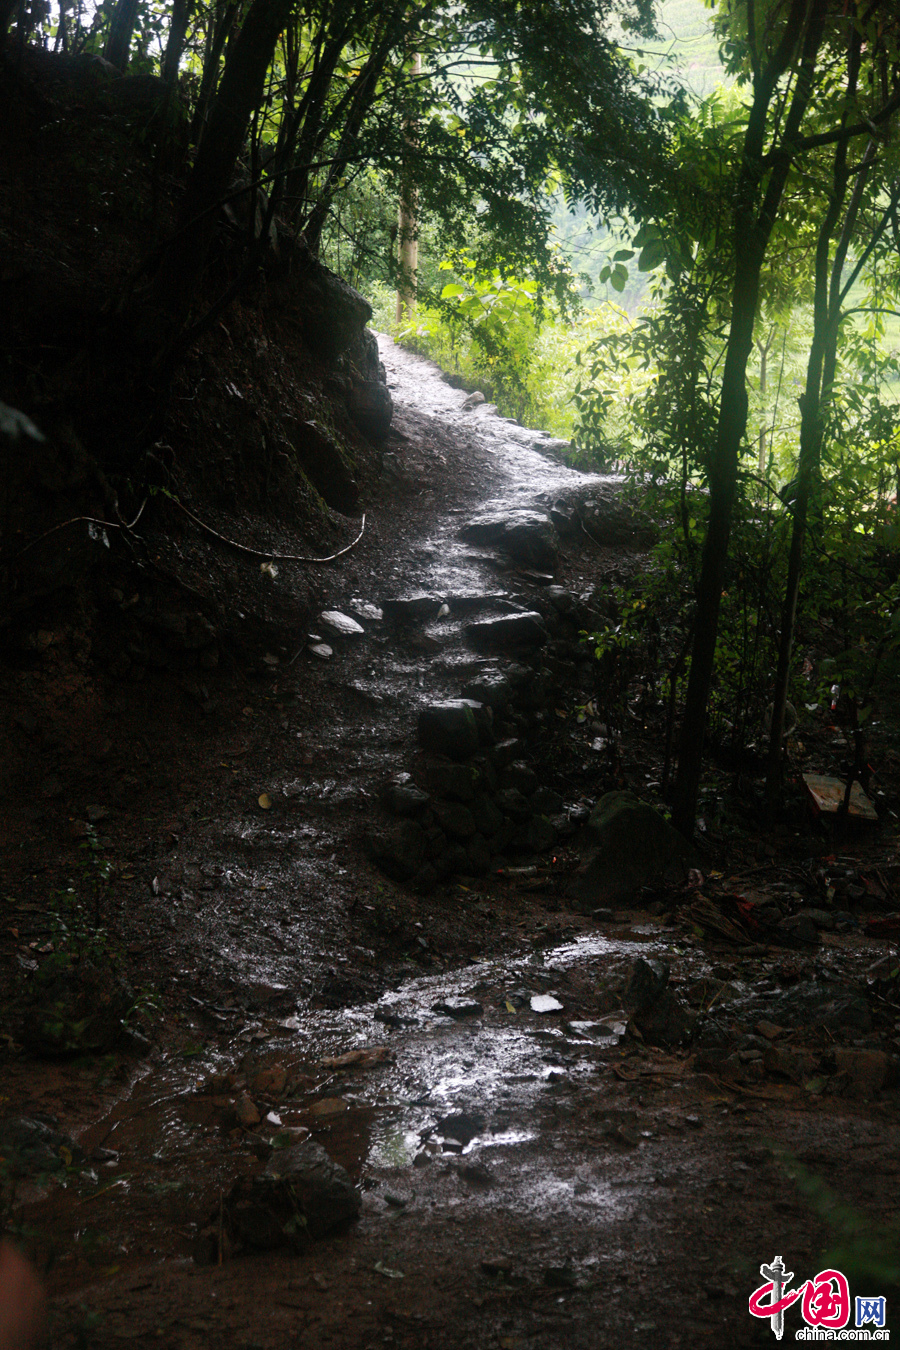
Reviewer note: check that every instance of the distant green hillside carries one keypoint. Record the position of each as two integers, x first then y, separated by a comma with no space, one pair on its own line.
686,29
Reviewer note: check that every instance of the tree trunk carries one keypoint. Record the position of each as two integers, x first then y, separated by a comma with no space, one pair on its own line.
239,93
181,17
820,373
121,31
217,35
756,205
408,229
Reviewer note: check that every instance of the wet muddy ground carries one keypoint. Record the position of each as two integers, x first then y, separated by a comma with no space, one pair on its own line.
533,1173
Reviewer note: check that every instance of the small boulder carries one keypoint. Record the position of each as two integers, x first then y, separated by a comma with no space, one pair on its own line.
636,847
449,728
507,633
302,1194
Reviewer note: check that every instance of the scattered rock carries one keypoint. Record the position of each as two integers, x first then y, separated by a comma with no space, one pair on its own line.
866,1071
456,781
400,851
646,984
455,819
473,400
370,405
636,847
458,1008
302,1194
411,608
545,1003
527,536
507,633
246,1111
341,624
666,1021
449,729
405,799
29,1145
321,650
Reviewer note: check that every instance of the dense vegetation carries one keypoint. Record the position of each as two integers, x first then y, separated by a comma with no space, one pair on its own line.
695,281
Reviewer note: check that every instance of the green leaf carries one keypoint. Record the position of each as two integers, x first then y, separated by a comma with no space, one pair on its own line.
452,289
652,254
619,278
623,254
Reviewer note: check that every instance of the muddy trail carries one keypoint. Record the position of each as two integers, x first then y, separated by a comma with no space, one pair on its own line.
386,1084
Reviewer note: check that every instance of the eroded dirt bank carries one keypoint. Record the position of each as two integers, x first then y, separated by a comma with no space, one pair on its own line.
531,1172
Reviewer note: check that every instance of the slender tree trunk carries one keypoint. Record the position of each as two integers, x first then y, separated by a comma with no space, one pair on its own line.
820,373
408,228
756,204
121,31
223,18
181,17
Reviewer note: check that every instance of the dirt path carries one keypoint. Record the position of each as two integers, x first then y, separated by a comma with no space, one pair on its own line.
531,1174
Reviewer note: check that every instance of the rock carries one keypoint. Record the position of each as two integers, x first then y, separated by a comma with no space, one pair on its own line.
454,819
321,650
866,1071
246,1111
271,1080
487,816
820,1003
405,799
301,1194
449,729
636,847
610,521
32,1146
520,775
546,801
545,1003
371,407
332,313
458,1008
341,624
646,983
479,854
507,633
400,851
446,779
786,1062
473,400
503,753
563,601
797,930
325,464
366,610
490,688
527,536
411,608
513,804
536,836
666,1021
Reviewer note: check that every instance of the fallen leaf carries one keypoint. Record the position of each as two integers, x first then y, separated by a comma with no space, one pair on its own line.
265,801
